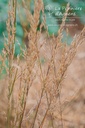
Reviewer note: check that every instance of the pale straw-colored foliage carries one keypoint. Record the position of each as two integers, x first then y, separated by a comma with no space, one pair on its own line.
27,74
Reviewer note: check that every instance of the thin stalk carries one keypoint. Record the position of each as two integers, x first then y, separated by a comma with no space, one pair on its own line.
37,108
11,39
60,109
42,123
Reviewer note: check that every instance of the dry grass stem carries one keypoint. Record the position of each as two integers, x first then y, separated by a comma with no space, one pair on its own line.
33,85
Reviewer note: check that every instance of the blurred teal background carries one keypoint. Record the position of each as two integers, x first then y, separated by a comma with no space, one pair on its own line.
50,4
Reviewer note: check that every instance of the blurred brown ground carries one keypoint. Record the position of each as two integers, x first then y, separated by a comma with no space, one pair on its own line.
72,94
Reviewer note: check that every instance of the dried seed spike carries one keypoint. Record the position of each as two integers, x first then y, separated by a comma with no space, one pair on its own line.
63,21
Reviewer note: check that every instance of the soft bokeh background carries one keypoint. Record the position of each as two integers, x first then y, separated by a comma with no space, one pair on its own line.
73,92
50,5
